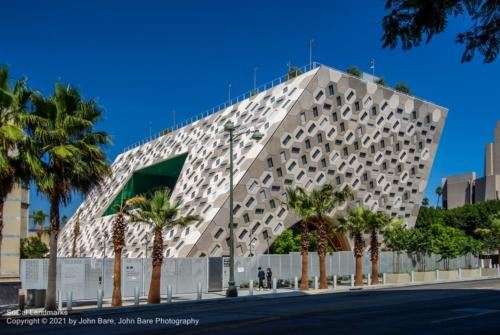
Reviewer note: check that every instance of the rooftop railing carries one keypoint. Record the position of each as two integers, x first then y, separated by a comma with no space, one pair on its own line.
264,87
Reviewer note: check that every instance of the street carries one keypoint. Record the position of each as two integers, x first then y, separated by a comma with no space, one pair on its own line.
459,308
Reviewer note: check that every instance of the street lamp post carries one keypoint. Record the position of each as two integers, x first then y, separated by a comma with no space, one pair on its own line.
229,127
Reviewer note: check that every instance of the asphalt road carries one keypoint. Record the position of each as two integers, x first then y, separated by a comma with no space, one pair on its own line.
457,308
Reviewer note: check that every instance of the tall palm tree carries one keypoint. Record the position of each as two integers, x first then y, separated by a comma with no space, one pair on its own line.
355,224
119,227
17,162
439,192
314,208
157,211
298,200
63,129
324,200
376,224
76,233
38,217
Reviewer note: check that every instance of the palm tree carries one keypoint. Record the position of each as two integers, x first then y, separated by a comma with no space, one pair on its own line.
314,208
63,129
157,211
298,200
324,200
38,218
17,162
355,223
76,233
439,192
119,226
376,223
425,202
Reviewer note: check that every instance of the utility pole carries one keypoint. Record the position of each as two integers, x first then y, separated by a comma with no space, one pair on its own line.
255,80
311,42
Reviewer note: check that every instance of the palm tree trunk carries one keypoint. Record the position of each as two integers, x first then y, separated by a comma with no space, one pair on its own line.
118,243
358,252
374,257
2,201
116,299
154,288
304,252
322,255
50,299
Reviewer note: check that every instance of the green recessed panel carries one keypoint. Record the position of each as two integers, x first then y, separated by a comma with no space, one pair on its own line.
163,174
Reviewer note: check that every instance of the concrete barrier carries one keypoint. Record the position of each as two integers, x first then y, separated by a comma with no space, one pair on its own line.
470,273
448,275
397,278
425,276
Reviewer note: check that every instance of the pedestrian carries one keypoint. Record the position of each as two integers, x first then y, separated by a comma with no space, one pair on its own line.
269,278
261,275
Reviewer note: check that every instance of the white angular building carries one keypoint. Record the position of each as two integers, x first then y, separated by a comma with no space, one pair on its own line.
323,126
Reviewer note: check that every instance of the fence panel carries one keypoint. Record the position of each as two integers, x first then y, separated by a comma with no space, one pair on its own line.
84,276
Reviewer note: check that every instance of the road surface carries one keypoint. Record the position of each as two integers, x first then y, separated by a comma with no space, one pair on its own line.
455,308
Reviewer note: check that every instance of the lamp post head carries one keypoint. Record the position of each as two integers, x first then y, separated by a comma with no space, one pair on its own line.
229,126
257,135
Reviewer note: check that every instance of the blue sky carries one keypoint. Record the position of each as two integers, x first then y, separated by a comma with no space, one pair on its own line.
144,59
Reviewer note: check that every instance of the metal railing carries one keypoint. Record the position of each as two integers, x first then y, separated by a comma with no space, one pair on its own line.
232,101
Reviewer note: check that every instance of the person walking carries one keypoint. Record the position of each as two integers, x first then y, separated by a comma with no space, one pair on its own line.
261,275
269,278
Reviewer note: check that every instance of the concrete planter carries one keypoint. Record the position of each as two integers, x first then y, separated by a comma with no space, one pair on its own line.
397,278
470,273
448,275
425,276
489,272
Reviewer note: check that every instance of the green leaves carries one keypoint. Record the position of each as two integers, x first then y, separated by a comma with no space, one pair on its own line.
62,127
33,247
155,209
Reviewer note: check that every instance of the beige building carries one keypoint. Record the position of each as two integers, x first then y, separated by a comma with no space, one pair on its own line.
462,189
323,126
16,221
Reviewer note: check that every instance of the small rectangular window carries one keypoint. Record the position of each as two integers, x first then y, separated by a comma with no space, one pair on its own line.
315,111
303,118
270,162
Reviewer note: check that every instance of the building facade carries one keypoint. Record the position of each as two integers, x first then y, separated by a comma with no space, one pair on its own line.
16,222
323,126
462,189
